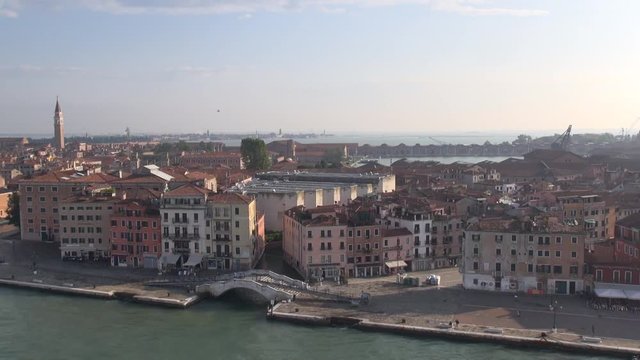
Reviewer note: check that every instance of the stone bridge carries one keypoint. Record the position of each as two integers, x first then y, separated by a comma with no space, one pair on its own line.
267,292
270,285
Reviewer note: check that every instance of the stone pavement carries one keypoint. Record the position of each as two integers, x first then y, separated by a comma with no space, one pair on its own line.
524,315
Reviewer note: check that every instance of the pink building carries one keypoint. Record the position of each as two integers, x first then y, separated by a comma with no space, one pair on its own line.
331,242
314,243
136,237
397,249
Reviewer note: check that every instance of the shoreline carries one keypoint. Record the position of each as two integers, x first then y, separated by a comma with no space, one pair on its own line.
492,335
362,323
103,294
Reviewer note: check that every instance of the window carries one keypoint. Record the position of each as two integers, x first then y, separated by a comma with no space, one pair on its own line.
530,268
309,247
574,254
627,277
237,248
341,233
321,233
328,233
530,238
513,251
309,234
498,267
558,240
475,250
498,251
513,238
237,211
540,253
166,246
598,275
557,269
557,253
237,237
513,267
616,276
475,265
574,240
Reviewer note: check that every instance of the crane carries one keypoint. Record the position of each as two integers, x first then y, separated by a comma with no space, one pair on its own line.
562,141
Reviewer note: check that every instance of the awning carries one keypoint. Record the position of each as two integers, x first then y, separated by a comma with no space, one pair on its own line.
194,260
170,259
632,294
395,264
610,293
617,291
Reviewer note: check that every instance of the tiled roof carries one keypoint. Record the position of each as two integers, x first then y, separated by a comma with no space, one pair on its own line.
231,198
187,190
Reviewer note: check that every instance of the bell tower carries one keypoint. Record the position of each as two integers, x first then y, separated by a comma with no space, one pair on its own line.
58,126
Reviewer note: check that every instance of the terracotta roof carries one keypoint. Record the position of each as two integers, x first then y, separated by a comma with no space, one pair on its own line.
231,198
93,178
187,190
140,179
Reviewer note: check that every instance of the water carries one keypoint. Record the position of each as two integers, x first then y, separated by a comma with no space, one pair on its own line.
447,159
396,139
34,325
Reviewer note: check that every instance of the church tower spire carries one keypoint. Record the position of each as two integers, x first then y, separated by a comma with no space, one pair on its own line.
58,126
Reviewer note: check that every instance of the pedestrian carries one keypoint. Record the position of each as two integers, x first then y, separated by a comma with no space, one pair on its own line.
450,324
457,323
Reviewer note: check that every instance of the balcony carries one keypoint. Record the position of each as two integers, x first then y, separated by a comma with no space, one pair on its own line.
393,248
179,221
184,237
181,251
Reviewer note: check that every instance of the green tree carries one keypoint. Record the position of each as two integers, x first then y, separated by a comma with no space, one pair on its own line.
254,154
14,209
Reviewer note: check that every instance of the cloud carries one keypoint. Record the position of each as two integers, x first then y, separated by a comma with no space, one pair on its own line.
10,8
248,7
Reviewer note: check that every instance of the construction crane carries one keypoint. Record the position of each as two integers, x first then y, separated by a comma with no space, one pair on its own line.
562,141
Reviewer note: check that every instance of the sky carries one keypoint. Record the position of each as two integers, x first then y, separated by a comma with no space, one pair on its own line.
402,66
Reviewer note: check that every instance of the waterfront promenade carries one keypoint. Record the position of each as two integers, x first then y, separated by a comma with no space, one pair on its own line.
434,307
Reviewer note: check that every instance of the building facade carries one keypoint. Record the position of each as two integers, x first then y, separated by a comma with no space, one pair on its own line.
512,255
135,234
85,226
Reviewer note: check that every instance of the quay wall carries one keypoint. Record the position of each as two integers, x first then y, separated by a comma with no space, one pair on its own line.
455,335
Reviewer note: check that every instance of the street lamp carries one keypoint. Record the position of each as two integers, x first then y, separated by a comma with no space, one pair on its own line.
554,307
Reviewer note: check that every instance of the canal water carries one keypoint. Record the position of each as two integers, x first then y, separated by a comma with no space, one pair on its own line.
34,325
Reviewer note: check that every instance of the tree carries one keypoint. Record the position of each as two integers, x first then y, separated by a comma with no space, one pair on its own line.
254,154
522,139
14,209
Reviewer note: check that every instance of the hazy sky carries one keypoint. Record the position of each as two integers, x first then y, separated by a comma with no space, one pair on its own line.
308,65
